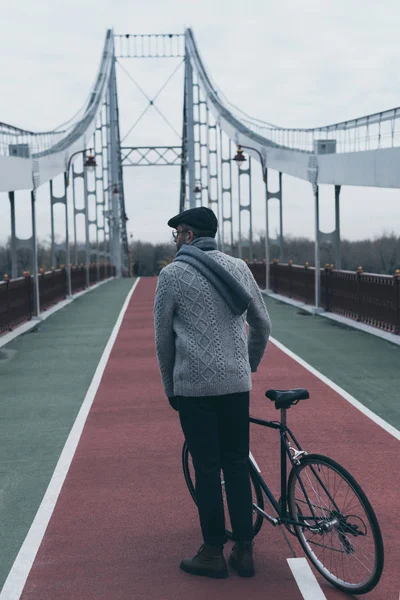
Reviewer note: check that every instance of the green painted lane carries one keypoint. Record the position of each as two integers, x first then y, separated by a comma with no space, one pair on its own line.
365,366
44,377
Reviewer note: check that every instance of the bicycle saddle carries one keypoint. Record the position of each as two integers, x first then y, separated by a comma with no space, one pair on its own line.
285,398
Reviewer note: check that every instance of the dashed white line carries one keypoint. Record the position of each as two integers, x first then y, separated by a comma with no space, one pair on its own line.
305,579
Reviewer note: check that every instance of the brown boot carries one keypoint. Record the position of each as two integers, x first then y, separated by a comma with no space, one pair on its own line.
241,559
209,561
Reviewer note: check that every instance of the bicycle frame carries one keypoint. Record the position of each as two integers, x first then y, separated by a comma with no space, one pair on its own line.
294,454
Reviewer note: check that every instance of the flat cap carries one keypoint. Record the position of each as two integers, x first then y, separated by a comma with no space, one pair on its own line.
201,218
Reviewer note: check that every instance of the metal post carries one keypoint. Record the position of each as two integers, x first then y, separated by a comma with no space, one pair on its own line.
190,127
226,188
14,267
35,273
208,155
222,219
317,252
74,210
67,249
96,221
212,172
97,180
122,209
204,162
182,196
197,145
266,231
338,260
114,180
53,251
278,241
86,209
107,189
280,219
216,176
240,217
101,204
397,301
250,217
230,193
245,207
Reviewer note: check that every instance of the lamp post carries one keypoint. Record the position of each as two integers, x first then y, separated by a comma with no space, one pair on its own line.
88,165
131,258
240,160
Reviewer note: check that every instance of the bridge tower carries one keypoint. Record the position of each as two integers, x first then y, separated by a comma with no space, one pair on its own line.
213,135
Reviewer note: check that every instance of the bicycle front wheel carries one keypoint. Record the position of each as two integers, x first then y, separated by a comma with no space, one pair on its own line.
340,532
258,500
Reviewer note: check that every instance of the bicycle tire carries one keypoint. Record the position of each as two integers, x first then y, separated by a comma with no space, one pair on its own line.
343,526
256,490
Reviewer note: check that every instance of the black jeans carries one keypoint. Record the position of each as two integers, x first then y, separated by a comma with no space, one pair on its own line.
217,432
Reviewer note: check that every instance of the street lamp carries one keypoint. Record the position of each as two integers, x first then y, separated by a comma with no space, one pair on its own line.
241,160
197,188
90,163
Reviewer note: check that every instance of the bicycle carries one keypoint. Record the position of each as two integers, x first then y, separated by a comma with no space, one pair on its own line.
317,505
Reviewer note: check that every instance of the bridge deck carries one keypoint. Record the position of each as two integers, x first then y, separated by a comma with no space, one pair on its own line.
123,518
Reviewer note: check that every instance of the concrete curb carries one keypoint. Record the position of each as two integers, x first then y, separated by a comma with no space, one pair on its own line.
385,335
25,327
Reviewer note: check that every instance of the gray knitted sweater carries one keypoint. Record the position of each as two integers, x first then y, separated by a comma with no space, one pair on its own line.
202,347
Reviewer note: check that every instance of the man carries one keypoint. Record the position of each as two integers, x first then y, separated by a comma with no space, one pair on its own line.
203,300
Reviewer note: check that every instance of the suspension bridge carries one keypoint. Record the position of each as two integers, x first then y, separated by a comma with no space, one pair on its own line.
93,502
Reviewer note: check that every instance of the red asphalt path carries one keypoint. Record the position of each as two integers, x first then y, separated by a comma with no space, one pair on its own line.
124,518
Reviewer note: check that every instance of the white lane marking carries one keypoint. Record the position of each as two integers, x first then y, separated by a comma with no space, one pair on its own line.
305,579
366,411
19,572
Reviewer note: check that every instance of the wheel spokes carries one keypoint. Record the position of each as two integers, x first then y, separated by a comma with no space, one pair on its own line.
338,529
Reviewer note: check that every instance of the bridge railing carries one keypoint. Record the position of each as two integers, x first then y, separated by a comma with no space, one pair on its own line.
16,302
52,287
17,297
366,297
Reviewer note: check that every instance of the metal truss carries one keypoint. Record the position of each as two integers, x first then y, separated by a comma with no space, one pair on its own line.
165,45
151,156
151,101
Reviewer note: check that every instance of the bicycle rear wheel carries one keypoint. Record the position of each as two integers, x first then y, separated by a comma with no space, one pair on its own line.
341,534
258,500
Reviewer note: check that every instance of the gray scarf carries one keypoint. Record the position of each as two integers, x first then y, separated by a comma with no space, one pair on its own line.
195,254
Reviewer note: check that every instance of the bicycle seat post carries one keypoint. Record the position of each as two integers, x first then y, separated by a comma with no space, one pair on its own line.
283,463
283,416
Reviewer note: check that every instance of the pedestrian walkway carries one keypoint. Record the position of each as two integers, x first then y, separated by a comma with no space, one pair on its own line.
124,518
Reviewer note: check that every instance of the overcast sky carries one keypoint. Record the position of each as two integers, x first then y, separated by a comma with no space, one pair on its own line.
292,63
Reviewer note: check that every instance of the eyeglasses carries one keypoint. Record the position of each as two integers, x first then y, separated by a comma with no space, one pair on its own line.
176,233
